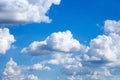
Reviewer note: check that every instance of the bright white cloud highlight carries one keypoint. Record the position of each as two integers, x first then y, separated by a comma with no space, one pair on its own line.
6,40
25,11
56,42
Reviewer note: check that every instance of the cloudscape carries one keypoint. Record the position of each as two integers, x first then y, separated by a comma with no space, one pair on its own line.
59,40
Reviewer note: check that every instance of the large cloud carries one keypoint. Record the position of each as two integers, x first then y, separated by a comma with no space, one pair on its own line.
25,11
98,61
6,39
56,42
101,61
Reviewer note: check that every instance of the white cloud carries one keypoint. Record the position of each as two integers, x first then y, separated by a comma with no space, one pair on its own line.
56,42
12,71
99,61
74,77
40,66
11,68
100,74
101,47
70,65
105,47
32,77
6,39
66,60
25,11
112,26
102,58
96,61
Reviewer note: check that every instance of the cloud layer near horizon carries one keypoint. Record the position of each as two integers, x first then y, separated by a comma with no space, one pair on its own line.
25,11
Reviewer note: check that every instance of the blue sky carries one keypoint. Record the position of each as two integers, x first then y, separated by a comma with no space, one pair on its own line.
59,40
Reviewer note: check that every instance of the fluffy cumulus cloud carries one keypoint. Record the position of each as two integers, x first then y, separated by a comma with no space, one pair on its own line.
39,66
13,71
25,11
106,47
66,60
56,42
99,61
75,68
112,26
32,77
102,59
6,39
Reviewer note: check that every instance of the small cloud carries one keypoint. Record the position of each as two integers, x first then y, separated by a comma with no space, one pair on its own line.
32,77
112,26
39,66
6,40
13,71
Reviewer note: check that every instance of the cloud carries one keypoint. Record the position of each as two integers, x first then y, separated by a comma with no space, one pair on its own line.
6,39
32,77
94,75
25,11
60,59
78,69
100,60
106,47
40,66
66,60
112,26
75,68
56,42
13,71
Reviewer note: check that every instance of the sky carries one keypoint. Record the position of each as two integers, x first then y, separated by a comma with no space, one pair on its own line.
59,40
